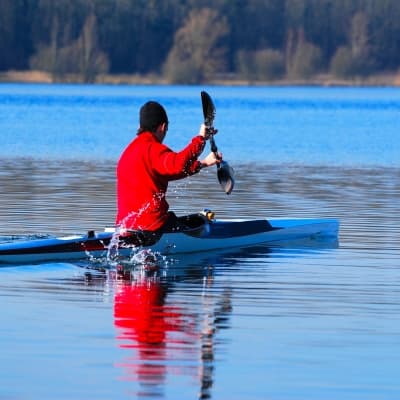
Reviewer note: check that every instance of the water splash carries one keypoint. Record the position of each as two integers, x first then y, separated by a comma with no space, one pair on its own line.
113,247
113,255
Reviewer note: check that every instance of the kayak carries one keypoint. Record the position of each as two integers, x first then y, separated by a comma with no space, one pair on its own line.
211,234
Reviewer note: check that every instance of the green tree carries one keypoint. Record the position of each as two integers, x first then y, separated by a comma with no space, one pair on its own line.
59,21
253,25
15,33
137,35
384,31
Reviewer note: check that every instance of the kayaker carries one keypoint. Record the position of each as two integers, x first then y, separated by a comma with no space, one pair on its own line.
146,167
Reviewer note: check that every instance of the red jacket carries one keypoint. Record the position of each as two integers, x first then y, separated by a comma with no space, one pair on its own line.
143,172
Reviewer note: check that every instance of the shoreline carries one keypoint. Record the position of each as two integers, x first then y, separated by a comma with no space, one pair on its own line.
324,80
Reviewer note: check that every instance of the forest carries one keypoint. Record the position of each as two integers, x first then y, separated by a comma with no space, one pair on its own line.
197,41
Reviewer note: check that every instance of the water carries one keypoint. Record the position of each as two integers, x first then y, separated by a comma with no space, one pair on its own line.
285,323
346,126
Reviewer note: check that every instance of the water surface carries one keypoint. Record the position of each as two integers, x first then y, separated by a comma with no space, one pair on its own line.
302,322
331,126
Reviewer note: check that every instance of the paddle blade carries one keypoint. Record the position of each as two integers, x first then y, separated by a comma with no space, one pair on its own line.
208,109
226,176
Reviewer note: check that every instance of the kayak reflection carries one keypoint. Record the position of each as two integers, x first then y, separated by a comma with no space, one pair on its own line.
168,318
165,340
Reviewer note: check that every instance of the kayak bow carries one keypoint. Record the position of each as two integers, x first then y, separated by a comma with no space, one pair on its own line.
213,235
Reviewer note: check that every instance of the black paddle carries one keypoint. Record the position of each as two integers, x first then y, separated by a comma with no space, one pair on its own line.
225,172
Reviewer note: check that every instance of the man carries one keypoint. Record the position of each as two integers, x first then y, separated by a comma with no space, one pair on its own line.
147,165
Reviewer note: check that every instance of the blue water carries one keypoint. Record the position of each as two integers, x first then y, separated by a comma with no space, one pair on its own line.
335,126
312,321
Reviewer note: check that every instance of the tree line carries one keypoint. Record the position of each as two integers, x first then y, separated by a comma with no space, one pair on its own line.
194,41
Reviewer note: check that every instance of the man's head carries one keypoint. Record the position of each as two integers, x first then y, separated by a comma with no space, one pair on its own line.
152,117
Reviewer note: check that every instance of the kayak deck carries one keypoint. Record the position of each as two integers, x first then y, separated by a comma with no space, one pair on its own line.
216,234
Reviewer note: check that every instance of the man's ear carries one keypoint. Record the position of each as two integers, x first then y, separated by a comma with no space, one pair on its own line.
161,131
164,126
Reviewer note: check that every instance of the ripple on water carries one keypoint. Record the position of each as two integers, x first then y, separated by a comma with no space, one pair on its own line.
311,322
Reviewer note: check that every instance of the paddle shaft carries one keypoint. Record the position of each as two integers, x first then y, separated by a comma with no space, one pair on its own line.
214,148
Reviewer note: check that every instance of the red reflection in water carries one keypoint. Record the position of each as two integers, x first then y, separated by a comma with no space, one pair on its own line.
164,339
147,325
139,311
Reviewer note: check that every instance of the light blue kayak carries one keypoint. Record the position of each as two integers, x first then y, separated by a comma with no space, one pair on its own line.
210,234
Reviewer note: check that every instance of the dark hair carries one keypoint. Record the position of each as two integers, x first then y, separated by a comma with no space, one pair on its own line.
152,115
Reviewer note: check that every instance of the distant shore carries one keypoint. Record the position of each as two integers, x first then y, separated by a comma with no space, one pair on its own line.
134,79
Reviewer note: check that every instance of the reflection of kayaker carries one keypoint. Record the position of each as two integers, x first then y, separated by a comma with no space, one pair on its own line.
148,327
156,334
138,311
142,325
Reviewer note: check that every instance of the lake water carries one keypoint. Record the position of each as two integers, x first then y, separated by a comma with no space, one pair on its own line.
304,322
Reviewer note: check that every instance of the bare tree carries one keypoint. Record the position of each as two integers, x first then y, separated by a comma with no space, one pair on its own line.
359,35
82,56
198,51
355,59
304,58
92,60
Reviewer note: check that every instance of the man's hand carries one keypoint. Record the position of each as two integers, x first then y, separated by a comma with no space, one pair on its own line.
211,159
206,132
